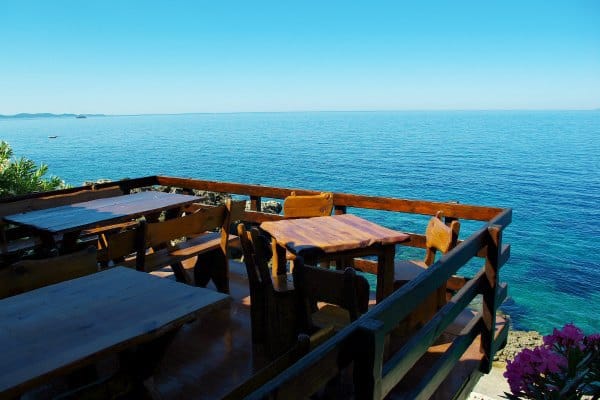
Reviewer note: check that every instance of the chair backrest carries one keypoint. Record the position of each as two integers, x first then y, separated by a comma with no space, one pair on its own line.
27,275
345,289
440,236
255,248
317,205
268,310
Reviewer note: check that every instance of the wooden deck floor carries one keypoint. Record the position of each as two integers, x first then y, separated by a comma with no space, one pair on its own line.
214,354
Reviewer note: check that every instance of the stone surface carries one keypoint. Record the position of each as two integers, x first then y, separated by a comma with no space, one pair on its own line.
518,340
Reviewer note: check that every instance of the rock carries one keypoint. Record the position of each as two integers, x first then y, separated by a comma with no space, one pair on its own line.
96,182
271,207
212,198
517,341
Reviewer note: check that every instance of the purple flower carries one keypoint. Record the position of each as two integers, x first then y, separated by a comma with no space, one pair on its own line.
593,342
532,366
568,360
568,336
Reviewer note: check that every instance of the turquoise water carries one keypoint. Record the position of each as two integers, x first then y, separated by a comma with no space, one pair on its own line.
544,165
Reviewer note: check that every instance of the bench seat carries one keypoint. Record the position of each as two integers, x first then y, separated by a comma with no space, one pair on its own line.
182,251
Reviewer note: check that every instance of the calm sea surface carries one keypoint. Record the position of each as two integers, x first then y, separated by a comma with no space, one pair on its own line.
544,165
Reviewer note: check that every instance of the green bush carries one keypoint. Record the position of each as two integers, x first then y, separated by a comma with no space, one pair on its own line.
22,176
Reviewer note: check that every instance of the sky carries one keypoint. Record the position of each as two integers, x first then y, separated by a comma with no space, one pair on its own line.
144,57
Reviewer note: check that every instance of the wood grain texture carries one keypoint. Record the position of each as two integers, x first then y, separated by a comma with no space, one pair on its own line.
330,234
318,205
52,330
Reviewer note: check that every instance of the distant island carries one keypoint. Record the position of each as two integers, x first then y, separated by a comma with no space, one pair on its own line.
50,115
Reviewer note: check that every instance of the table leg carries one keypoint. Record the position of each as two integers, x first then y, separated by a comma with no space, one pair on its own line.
385,271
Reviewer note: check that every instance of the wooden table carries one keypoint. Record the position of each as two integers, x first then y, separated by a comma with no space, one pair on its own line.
71,219
337,236
51,331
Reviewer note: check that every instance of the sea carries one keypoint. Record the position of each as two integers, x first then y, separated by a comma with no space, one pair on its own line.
545,165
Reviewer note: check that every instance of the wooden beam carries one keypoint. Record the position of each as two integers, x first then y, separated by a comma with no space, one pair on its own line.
400,363
399,304
452,210
434,377
490,287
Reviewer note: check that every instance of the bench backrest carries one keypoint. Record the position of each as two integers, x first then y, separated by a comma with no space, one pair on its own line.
28,275
118,245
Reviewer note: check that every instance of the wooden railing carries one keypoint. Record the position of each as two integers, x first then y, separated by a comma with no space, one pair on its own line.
363,342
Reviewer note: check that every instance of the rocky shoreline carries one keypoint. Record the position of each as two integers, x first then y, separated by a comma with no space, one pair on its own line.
517,341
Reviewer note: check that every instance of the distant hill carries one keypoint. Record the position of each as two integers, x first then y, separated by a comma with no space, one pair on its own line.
48,115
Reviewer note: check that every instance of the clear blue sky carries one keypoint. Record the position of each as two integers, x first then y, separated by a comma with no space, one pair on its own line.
122,57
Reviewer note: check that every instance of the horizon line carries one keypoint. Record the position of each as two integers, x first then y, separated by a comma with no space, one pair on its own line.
301,111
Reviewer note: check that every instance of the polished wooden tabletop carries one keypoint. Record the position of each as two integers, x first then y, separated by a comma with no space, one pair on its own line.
49,331
330,234
78,216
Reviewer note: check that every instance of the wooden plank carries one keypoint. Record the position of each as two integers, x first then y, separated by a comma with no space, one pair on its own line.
88,214
444,365
51,330
399,304
193,224
330,234
452,210
56,200
314,370
400,363
490,288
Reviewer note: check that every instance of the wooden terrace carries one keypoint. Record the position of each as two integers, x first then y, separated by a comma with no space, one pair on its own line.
402,347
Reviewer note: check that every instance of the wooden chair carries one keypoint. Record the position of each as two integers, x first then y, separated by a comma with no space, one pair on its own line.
343,296
273,300
280,310
27,275
318,205
294,206
207,236
438,237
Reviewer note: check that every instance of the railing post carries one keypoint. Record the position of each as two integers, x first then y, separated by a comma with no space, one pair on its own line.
255,203
494,246
368,365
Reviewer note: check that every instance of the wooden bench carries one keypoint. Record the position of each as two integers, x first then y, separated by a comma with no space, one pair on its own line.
204,233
